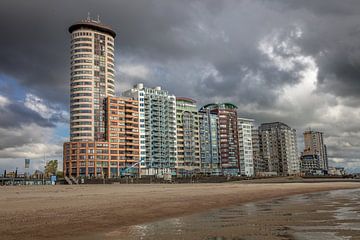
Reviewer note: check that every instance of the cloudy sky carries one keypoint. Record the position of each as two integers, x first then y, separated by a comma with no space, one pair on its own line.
281,60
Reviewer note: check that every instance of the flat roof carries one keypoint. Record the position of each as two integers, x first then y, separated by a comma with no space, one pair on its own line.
93,26
185,99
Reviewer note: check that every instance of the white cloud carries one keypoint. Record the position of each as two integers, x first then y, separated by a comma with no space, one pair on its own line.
276,43
37,104
282,53
45,110
3,101
31,150
303,104
134,70
28,141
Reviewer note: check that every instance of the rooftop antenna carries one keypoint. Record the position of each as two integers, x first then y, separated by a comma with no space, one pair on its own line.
88,17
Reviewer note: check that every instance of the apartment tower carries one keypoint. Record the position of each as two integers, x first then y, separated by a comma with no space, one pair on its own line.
188,146
209,144
157,129
227,136
104,130
260,165
245,146
314,155
279,148
92,78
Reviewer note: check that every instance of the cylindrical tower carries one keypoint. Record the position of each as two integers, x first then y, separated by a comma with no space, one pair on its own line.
92,78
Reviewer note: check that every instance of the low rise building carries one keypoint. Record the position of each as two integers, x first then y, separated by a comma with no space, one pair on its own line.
336,171
310,164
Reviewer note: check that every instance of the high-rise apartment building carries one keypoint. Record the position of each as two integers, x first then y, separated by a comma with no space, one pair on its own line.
188,142
209,144
92,78
104,130
279,148
256,149
118,152
157,129
314,156
260,165
227,136
245,146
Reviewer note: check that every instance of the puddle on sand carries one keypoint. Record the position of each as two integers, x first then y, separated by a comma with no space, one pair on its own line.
318,236
326,215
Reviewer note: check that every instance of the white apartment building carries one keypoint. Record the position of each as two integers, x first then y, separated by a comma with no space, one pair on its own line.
157,125
245,146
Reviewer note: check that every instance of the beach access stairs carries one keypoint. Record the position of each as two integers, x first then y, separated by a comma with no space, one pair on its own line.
71,180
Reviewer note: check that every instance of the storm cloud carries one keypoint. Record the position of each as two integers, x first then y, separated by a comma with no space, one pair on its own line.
282,60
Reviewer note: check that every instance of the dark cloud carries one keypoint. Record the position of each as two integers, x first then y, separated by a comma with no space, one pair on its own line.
35,50
223,33
15,115
207,50
37,41
331,7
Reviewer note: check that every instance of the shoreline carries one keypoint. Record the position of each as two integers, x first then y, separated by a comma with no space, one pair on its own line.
73,212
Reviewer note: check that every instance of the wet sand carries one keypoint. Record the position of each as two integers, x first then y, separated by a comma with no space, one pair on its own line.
331,215
77,212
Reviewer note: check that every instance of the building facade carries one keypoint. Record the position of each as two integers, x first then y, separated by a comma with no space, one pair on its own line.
104,130
92,78
314,146
279,148
118,154
310,164
245,146
227,136
188,142
209,144
260,165
157,126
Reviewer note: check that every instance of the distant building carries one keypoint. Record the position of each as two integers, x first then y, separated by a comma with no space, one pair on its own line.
279,148
188,142
157,108
260,165
245,146
336,171
316,149
209,144
310,164
227,136
38,174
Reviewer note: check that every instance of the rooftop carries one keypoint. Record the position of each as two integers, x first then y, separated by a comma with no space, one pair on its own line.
93,25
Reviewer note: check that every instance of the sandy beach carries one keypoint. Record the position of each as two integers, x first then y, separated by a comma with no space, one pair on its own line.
70,212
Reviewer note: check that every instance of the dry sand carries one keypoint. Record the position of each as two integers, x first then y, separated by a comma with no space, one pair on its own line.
69,212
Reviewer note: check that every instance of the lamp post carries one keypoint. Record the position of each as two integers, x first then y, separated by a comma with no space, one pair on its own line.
43,175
